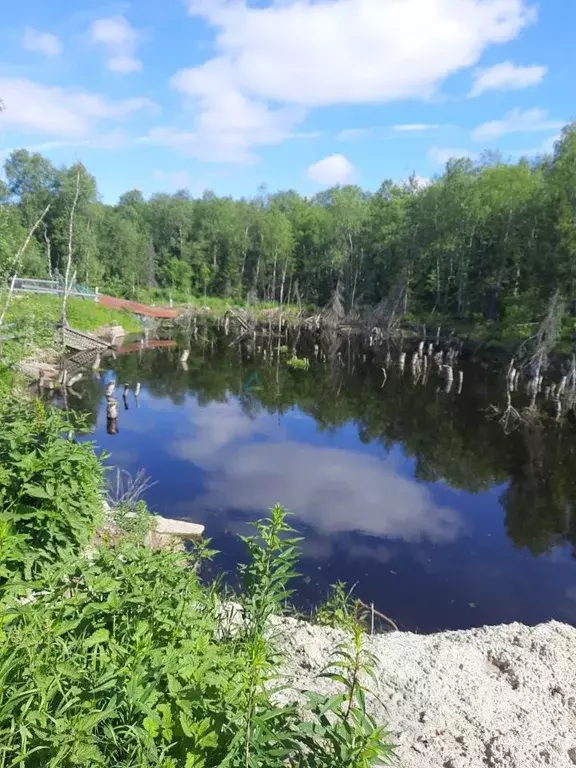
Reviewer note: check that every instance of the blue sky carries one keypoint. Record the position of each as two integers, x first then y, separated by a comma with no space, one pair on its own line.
301,94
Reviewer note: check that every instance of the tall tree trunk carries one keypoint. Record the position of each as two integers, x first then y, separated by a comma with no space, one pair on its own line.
358,271
256,276
283,281
438,283
67,285
48,252
273,297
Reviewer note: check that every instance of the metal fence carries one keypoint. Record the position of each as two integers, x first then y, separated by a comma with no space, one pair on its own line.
54,287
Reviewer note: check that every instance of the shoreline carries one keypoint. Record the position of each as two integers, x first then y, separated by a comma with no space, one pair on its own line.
501,696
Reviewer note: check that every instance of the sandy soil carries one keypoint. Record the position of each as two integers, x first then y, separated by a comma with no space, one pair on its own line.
496,696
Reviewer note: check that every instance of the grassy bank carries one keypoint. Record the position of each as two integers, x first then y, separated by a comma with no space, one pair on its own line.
29,329
217,305
83,314
120,656
30,323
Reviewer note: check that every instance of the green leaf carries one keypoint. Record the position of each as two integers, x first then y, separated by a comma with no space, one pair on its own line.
37,491
97,638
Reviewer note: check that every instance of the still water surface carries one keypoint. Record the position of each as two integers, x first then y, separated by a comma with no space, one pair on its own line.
412,494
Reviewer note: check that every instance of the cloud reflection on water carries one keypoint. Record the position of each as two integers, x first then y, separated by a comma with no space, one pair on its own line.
332,490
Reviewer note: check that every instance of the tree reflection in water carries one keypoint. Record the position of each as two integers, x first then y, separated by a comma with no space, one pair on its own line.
447,438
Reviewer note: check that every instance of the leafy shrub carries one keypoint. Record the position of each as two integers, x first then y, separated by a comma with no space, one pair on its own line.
14,554
50,485
133,520
126,660
298,363
339,610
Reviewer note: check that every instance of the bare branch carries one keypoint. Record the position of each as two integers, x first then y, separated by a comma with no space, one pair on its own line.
18,259
69,261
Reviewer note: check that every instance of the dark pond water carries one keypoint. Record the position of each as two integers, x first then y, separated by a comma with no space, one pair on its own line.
409,492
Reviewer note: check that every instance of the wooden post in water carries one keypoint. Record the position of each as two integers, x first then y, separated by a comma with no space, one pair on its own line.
449,376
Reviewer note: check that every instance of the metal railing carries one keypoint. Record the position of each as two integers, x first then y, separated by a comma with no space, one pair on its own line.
54,287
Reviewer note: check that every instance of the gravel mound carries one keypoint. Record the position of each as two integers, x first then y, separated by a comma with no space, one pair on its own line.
496,696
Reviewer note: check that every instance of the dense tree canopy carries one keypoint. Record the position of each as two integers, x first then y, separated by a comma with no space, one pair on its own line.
482,240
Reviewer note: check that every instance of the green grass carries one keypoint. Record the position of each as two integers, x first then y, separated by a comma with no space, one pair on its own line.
83,314
217,304
31,319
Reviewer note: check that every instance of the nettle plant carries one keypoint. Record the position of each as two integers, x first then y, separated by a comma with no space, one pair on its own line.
50,485
127,660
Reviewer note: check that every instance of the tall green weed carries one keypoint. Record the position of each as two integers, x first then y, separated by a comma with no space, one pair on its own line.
50,486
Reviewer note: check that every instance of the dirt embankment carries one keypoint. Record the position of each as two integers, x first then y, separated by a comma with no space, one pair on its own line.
497,696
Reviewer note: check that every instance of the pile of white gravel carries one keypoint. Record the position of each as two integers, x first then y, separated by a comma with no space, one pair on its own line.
496,696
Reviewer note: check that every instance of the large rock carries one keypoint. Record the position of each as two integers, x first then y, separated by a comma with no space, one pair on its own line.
179,528
172,534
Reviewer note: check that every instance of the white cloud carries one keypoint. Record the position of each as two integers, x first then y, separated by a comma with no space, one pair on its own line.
349,51
516,121
441,155
506,77
41,42
305,54
217,427
248,465
227,130
35,108
335,169
355,133
333,491
120,39
415,127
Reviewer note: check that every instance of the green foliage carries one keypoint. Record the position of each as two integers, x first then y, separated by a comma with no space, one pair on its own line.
12,238
273,556
477,239
298,363
339,609
139,667
15,555
50,485
133,520
344,733
262,731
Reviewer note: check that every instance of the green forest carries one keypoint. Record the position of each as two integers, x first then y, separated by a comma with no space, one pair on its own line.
483,241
